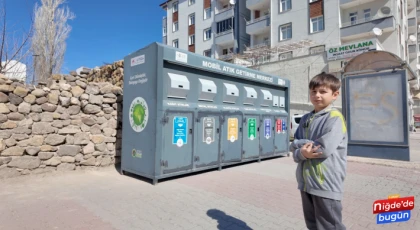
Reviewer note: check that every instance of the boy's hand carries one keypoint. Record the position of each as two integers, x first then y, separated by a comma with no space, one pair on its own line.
308,151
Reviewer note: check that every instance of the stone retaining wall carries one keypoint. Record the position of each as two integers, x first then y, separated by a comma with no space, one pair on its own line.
112,73
71,124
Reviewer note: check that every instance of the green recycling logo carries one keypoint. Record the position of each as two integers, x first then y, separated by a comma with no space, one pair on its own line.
139,114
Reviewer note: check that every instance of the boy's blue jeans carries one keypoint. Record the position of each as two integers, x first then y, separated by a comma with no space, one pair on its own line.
321,213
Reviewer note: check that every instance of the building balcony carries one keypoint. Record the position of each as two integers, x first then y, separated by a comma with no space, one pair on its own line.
258,26
412,22
257,4
411,4
226,57
363,27
260,45
344,4
224,14
224,38
412,25
412,50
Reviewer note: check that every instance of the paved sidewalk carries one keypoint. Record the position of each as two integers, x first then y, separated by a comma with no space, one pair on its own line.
252,196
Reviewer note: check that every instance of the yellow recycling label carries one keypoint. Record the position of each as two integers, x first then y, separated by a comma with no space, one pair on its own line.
232,129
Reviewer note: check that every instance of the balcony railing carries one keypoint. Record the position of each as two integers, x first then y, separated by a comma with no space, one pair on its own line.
224,10
260,45
362,20
224,32
226,56
258,19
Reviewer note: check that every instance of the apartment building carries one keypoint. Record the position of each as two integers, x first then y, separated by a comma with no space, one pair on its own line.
296,39
334,31
207,27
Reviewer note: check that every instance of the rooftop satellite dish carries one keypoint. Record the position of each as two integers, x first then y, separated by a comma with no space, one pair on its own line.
377,31
232,2
412,38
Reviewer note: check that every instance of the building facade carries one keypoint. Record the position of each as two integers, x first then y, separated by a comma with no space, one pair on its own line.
206,27
296,39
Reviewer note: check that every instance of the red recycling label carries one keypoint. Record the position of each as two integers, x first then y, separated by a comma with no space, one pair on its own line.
279,125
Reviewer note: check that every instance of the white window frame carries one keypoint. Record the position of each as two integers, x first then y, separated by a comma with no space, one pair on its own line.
175,42
191,39
175,26
165,30
191,2
351,16
317,49
319,21
285,26
205,14
205,37
367,12
191,19
287,3
204,52
310,1
174,7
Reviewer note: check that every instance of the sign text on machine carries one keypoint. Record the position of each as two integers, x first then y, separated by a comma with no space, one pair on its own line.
229,69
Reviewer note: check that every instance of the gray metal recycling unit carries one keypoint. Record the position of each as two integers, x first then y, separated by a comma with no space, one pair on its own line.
183,112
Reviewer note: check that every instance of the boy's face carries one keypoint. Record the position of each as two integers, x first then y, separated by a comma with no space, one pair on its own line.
322,97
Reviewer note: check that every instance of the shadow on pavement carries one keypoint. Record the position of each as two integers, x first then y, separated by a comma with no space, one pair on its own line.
226,222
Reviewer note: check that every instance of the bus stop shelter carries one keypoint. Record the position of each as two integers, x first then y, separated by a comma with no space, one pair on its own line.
377,103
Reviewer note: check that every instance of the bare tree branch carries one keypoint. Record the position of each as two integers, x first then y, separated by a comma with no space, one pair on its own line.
14,51
50,35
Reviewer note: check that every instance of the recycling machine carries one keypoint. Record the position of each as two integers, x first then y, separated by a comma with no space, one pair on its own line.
184,112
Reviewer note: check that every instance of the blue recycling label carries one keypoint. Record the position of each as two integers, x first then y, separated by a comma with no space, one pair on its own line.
180,128
284,125
267,128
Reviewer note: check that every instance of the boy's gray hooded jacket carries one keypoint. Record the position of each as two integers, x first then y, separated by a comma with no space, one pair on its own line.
323,176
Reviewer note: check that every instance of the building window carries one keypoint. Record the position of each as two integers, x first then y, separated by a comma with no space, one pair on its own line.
191,19
353,18
191,40
225,25
191,2
284,56
207,34
266,41
164,31
175,7
175,27
285,5
175,43
227,51
317,49
207,13
285,32
367,14
317,24
207,53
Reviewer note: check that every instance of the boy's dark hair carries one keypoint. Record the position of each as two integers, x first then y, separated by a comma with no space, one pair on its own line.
325,79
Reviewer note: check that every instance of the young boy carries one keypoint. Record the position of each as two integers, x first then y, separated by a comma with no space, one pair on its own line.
320,149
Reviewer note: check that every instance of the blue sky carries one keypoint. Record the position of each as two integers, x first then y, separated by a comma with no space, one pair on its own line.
103,30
